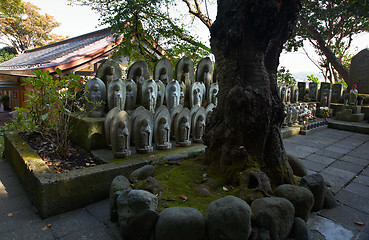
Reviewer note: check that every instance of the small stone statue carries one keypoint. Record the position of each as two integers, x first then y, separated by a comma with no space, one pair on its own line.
212,94
172,95
116,94
197,98
183,128
123,136
131,95
184,131
283,94
353,95
96,98
117,98
160,94
164,76
149,95
164,134
182,94
143,127
200,128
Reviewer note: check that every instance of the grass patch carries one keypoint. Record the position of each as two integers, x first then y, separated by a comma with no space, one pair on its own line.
181,182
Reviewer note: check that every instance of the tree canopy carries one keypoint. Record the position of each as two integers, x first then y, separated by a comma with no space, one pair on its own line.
7,53
151,25
24,27
330,25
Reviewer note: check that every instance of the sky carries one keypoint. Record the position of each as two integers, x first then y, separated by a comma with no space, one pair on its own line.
77,20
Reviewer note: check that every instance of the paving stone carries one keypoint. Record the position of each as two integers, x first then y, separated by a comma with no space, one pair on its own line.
37,231
14,204
362,236
306,149
317,144
18,219
353,200
336,182
355,160
359,154
6,170
346,216
100,210
70,222
362,179
365,172
344,174
330,154
328,229
338,149
312,165
11,187
320,159
297,153
347,166
95,232
359,189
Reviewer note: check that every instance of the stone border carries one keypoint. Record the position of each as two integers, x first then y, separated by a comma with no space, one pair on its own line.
359,127
54,193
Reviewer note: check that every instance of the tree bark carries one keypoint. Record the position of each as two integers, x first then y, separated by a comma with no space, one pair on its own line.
244,132
331,58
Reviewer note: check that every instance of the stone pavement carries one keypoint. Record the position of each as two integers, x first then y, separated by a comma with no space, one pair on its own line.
341,157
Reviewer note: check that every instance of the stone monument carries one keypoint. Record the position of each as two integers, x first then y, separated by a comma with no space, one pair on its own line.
302,90
173,116
185,74
212,94
149,95
198,125
313,91
108,71
116,94
337,90
131,95
359,71
160,94
139,72
204,73
107,123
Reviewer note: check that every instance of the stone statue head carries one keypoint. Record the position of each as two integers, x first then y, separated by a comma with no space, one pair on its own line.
116,88
206,68
186,68
150,89
122,124
174,88
96,87
145,123
163,71
200,118
163,120
184,120
110,70
129,87
139,71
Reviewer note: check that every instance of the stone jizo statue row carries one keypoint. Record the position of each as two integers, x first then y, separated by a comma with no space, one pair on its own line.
108,90
142,129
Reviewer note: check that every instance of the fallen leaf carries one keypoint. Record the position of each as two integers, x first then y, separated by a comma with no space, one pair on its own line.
225,189
205,175
183,197
152,156
359,223
46,227
10,215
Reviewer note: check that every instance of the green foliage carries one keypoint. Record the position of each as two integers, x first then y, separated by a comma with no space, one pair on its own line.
312,78
24,27
149,30
337,22
48,106
7,53
284,76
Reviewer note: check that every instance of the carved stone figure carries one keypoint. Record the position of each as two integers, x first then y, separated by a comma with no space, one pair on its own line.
283,94
96,97
197,94
149,95
172,95
107,124
185,74
160,94
182,94
131,95
109,71
163,71
212,93
144,132
139,73
198,125
173,116
204,73
183,128
353,95
288,95
120,135
163,132
116,94
208,112
135,114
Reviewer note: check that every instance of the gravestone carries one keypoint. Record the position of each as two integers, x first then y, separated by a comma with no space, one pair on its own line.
313,91
302,90
325,94
163,71
359,71
337,90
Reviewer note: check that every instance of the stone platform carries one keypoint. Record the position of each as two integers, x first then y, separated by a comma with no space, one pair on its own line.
359,127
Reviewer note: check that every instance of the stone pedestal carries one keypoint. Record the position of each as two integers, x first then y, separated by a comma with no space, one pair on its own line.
351,114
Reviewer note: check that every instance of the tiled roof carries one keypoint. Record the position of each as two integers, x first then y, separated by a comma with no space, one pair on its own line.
64,54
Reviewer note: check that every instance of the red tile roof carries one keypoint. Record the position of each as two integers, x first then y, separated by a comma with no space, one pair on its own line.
71,54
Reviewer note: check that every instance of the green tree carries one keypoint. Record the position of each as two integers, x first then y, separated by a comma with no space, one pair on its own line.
149,23
330,25
284,76
7,53
23,27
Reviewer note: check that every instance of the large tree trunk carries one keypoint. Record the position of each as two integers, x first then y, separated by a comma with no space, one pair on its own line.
244,132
